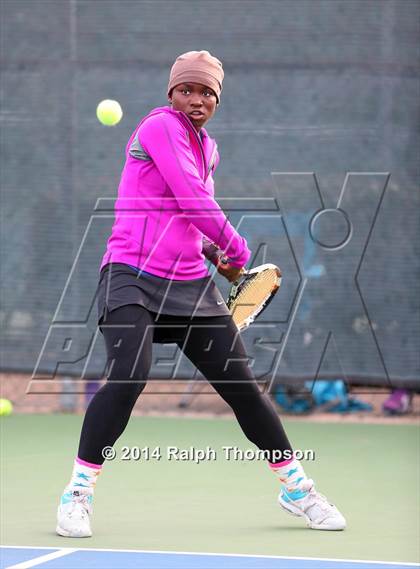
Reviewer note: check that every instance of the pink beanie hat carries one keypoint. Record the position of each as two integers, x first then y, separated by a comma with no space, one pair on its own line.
197,67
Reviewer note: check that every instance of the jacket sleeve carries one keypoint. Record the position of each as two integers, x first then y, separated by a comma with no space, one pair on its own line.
211,251
163,138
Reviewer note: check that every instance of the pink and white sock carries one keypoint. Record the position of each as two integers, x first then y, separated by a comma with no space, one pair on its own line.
291,476
85,474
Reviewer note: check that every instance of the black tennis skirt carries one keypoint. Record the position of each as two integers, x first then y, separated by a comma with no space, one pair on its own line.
121,284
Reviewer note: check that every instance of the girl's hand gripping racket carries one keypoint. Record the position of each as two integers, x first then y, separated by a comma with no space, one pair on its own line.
252,293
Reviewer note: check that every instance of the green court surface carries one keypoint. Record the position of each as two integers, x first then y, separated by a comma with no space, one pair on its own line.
370,471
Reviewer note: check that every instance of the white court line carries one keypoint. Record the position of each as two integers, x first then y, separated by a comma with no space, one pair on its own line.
246,555
42,558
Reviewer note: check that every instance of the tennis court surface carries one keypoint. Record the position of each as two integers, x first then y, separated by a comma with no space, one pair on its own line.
67,558
218,513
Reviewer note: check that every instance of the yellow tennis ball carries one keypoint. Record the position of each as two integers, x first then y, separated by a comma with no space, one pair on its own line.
109,112
6,407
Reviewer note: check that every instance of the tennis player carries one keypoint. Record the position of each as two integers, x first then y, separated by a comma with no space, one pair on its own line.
154,287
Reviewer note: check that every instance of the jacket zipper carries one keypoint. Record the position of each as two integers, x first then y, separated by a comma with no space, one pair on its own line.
212,161
201,147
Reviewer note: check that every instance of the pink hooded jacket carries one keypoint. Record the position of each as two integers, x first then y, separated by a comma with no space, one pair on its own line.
166,206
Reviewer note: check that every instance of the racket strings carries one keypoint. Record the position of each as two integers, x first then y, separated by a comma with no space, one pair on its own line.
253,294
259,285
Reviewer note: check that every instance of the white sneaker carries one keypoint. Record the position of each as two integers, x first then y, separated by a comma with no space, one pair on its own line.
315,508
73,513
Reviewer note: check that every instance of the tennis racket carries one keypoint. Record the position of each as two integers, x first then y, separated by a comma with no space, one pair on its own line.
252,293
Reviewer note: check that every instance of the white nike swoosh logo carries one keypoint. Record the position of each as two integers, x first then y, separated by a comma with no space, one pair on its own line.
221,302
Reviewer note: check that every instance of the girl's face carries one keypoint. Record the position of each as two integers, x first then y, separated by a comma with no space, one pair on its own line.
196,100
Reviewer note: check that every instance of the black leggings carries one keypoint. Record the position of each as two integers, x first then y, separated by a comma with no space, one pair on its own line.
213,345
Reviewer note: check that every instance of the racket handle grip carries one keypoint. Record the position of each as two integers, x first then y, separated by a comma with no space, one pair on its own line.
224,260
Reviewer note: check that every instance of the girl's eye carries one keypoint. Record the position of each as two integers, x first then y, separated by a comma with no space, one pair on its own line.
207,93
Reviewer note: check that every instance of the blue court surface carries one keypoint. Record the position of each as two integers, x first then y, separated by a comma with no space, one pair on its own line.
68,558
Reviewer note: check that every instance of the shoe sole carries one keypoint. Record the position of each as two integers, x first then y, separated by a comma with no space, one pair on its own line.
64,533
310,524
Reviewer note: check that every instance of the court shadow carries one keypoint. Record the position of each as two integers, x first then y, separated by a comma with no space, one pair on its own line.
274,529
